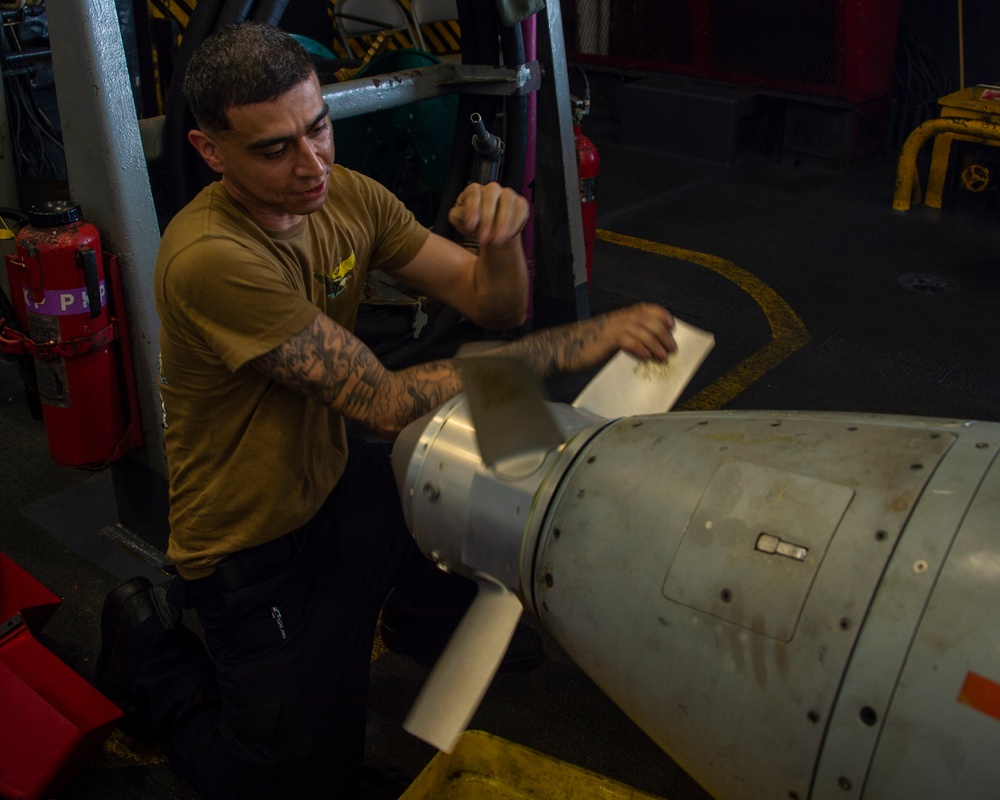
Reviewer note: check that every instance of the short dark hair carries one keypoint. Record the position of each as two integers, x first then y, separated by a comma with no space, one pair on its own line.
239,65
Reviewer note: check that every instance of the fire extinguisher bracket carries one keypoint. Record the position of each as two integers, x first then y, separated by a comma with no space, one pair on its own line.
16,343
133,434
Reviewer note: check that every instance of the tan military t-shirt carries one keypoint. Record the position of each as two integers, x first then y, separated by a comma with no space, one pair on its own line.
250,460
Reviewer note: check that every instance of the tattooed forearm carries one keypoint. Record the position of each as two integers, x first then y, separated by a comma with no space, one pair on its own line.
565,348
331,365
428,386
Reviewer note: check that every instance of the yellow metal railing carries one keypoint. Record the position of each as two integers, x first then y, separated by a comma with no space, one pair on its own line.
971,114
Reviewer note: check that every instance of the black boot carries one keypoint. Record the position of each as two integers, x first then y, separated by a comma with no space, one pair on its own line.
134,613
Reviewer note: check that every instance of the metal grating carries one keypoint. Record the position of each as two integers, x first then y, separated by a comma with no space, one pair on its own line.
787,40
660,31
823,47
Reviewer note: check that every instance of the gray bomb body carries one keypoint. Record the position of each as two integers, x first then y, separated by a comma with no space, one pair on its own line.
790,604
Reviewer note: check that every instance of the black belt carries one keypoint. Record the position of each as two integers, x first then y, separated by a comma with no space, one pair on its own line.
249,565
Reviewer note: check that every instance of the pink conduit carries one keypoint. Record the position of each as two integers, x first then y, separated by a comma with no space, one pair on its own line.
529,34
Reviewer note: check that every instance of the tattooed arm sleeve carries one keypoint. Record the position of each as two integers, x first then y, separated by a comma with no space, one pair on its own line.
329,363
336,368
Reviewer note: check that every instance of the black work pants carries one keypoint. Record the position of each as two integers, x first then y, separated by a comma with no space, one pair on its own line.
277,706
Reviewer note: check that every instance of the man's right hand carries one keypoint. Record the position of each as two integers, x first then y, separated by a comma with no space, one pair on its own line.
490,214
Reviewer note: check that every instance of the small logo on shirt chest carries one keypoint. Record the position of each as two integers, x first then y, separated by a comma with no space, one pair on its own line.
335,281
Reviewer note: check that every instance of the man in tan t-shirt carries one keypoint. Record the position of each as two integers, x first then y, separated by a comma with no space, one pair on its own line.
287,541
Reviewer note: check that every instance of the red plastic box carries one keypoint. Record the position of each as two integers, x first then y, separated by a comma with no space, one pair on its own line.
53,721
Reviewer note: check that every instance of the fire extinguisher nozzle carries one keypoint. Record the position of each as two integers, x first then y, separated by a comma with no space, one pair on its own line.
485,143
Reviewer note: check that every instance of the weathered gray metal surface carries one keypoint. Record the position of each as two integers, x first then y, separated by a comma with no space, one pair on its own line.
892,622
718,651
783,601
942,730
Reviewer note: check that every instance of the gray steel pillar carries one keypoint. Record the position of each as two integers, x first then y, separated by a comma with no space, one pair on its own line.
561,270
8,176
8,183
108,177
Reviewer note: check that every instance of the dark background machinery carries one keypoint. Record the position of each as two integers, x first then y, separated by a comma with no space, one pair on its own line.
829,82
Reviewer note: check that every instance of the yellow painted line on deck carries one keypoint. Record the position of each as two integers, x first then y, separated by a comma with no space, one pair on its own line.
788,333
121,751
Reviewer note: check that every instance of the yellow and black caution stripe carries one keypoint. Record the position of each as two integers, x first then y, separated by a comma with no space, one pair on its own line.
440,38
177,10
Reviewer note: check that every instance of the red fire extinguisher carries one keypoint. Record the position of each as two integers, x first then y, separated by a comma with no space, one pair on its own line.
65,293
588,164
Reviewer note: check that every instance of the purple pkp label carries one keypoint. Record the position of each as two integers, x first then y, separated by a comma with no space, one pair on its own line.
62,302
